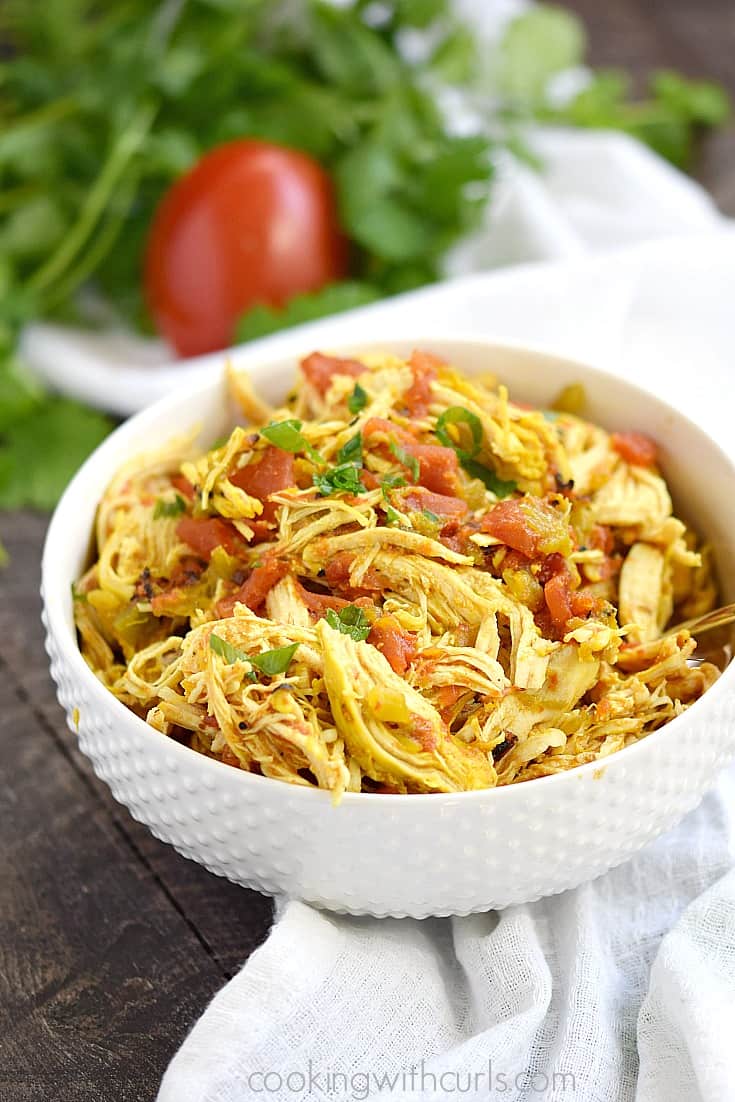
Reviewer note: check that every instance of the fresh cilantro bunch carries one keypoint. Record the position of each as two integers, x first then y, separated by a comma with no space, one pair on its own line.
104,105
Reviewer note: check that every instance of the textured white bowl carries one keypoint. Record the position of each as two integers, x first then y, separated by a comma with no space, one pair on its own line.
401,855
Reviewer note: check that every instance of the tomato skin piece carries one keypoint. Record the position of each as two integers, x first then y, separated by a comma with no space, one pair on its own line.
418,396
204,534
558,600
319,369
255,588
397,644
635,448
438,468
251,222
184,486
381,426
443,505
508,523
272,472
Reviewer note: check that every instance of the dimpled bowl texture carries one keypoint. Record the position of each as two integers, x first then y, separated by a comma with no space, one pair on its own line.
384,854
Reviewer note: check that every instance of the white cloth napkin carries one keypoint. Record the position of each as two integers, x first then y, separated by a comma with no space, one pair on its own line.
623,989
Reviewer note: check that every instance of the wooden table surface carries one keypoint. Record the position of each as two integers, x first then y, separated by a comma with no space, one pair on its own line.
111,944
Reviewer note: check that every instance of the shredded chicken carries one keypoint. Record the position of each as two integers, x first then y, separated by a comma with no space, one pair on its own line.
401,582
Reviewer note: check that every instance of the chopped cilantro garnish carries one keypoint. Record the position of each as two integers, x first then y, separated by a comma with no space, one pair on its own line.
430,517
287,435
496,485
169,508
344,479
77,595
458,415
357,400
392,516
350,620
272,662
351,452
226,650
409,461
391,482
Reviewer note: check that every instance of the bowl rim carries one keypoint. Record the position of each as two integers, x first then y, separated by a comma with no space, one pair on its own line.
53,597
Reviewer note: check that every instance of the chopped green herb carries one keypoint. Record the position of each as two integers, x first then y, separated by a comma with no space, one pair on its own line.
262,320
169,508
287,435
409,461
226,650
391,482
496,485
458,415
77,595
344,479
5,559
430,517
351,452
392,517
357,400
272,662
350,620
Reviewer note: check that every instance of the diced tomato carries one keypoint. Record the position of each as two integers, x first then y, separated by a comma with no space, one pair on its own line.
255,588
635,448
418,396
320,369
229,757
558,600
318,603
447,697
380,426
397,644
508,522
438,467
528,525
369,480
272,472
418,498
184,486
204,534
337,573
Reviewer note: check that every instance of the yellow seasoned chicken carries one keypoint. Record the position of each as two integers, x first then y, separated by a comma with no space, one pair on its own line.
399,582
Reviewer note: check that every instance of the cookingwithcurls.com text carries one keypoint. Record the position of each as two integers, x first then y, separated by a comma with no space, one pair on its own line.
488,1082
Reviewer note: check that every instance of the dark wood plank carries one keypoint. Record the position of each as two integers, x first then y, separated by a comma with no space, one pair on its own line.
100,975
231,920
111,944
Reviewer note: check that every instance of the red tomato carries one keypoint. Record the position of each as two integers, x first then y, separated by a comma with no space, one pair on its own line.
250,223
635,448
397,644
255,588
204,534
271,473
319,369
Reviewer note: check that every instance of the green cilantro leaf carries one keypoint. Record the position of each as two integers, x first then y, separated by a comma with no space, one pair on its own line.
409,461
536,45
272,662
169,508
262,320
357,400
226,650
430,517
40,452
351,452
344,479
391,482
392,517
350,620
496,485
287,435
458,415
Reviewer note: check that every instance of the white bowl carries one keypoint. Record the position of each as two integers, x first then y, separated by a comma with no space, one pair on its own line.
385,854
